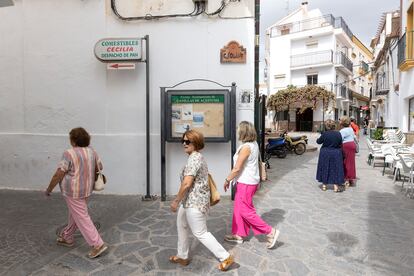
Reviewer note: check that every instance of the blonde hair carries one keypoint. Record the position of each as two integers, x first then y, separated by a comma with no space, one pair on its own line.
330,124
247,132
345,122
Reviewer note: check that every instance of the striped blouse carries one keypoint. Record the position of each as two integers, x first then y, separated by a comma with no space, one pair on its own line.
78,163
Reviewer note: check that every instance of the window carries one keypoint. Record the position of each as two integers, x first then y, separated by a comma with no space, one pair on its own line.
312,79
282,115
285,31
312,44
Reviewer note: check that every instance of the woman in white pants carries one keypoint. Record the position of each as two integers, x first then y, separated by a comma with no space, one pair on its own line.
194,195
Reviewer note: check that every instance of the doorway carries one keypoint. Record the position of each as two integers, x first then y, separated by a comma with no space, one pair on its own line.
304,121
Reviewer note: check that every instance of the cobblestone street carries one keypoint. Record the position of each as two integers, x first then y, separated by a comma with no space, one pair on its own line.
367,230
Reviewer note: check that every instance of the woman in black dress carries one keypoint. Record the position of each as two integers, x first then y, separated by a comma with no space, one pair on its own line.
330,163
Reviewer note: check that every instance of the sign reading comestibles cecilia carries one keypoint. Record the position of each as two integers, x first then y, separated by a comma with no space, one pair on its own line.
118,49
233,53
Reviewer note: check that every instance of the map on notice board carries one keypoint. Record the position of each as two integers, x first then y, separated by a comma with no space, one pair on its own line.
204,113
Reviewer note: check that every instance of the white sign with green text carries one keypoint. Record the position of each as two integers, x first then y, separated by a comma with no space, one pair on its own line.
118,49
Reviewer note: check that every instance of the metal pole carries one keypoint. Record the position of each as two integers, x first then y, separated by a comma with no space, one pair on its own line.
256,64
148,133
163,133
233,129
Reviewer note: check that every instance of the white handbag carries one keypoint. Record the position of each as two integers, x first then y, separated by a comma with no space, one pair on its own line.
100,181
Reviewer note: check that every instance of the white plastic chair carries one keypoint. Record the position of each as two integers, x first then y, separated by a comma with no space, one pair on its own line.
407,171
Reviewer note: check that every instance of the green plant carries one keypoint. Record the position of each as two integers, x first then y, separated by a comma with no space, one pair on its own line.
377,135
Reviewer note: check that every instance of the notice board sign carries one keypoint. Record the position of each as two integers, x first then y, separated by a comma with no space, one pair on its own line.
207,111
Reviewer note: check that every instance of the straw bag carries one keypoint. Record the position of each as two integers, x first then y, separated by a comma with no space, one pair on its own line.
214,194
262,169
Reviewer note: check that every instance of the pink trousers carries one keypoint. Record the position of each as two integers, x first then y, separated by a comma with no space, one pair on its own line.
244,213
78,217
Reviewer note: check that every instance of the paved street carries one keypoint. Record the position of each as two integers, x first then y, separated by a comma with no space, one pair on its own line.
367,230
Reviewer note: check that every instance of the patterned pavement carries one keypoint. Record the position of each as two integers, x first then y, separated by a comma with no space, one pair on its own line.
367,230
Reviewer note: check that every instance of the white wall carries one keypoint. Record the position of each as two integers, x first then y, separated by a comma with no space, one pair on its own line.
50,82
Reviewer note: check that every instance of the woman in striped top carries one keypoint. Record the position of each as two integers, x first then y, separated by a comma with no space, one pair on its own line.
76,176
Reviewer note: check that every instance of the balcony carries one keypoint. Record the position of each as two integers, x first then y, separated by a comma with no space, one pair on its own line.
381,84
310,24
342,92
343,63
405,51
311,59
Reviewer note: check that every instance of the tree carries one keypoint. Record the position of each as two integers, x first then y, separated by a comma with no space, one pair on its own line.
302,98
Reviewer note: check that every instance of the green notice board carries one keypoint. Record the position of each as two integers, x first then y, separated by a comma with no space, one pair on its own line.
205,112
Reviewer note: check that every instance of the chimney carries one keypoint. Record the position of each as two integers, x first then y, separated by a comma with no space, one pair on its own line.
305,7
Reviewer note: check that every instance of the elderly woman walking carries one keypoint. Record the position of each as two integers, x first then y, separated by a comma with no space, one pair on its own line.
194,195
349,149
76,175
330,163
246,174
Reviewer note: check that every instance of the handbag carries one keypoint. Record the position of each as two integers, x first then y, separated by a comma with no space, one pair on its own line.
262,169
214,194
100,180
356,145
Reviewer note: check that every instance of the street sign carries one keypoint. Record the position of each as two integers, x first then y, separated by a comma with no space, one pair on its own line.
118,49
120,66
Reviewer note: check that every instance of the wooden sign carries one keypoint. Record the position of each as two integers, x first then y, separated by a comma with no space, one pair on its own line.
233,53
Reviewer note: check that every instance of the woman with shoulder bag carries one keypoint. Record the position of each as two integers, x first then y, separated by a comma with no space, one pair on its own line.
246,174
76,175
194,196
349,150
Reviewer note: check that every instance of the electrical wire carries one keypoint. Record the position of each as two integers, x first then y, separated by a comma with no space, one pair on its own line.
196,11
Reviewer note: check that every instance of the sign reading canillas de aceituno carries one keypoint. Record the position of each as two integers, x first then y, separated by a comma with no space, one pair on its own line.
118,49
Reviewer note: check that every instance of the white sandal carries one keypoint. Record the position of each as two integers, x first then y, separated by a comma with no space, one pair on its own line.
272,238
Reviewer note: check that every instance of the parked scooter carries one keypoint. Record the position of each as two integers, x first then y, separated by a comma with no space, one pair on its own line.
275,147
295,144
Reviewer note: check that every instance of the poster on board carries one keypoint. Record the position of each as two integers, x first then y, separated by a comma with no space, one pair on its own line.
245,99
204,113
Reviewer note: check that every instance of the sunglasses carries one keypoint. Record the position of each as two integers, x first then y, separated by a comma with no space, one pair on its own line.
184,141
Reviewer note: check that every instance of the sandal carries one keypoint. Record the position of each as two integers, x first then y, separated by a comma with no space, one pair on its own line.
324,187
97,251
178,260
272,238
225,265
233,238
340,189
61,241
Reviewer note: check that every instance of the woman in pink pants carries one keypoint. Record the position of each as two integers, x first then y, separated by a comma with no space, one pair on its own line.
246,174
76,176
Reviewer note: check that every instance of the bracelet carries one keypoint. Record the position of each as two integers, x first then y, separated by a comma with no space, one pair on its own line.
227,181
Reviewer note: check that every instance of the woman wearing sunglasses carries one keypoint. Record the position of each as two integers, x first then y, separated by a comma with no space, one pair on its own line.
194,196
246,174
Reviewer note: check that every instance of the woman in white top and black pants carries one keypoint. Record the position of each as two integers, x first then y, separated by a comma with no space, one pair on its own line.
246,174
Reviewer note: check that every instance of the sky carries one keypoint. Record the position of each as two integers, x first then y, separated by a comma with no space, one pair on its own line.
362,16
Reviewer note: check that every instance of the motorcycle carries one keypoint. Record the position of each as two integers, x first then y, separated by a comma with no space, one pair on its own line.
296,144
275,147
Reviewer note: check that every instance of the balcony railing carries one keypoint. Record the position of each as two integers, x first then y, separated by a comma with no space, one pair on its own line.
327,85
342,59
309,24
405,47
381,84
311,58
341,91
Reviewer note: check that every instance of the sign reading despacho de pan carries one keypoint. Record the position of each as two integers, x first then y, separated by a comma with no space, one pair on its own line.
118,49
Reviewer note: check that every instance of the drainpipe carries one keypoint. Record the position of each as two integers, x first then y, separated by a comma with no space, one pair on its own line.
256,64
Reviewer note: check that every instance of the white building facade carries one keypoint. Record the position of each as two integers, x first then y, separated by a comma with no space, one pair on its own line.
385,101
361,84
51,82
406,65
307,47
